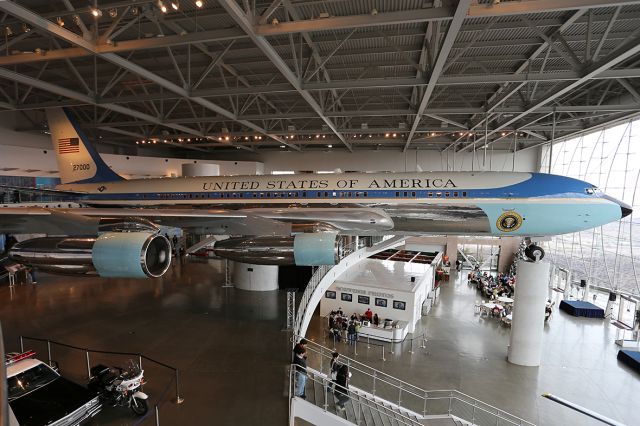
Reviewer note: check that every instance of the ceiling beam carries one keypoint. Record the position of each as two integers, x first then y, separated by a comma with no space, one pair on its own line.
433,14
48,26
610,61
443,54
246,25
86,99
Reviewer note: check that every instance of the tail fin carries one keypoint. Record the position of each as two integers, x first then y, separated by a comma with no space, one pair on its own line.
78,161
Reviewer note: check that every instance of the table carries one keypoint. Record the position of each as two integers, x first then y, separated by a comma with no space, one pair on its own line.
504,299
492,306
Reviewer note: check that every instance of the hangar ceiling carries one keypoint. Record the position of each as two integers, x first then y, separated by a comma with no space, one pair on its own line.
304,75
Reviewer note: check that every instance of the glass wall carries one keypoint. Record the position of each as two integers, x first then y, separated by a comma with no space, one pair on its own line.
608,256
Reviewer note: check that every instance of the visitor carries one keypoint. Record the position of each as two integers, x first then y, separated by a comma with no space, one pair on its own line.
341,390
369,315
376,320
300,364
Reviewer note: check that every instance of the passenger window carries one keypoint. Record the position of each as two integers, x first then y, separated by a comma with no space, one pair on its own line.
446,194
464,193
397,194
455,193
438,194
413,194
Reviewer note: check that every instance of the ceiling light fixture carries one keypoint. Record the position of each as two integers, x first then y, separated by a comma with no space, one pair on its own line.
199,3
329,146
113,12
175,5
60,21
96,12
162,7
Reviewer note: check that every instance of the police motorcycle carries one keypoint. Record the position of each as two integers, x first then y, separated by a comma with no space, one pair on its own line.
120,387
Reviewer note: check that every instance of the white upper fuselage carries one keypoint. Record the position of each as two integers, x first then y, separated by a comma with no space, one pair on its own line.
507,203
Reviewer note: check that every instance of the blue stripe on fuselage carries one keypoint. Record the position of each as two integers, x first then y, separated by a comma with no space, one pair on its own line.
539,185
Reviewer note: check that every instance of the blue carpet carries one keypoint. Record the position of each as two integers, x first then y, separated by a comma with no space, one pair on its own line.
630,358
578,308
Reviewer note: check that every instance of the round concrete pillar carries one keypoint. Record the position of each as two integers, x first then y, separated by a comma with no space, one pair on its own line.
200,169
254,277
527,326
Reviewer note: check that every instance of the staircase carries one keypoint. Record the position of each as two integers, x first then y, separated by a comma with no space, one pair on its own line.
378,399
362,408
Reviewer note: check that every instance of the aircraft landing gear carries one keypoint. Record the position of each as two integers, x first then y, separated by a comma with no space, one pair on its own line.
534,252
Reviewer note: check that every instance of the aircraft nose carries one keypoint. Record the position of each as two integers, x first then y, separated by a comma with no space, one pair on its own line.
625,209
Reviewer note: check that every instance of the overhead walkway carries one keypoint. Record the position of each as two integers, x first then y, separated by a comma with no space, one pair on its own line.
325,275
378,399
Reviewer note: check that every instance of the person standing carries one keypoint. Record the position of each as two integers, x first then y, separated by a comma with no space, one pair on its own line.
334,366
300,364
341,390
351,333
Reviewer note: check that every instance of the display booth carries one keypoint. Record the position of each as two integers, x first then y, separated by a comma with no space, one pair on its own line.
394,289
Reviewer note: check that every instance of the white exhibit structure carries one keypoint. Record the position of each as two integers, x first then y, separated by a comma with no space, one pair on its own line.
395,290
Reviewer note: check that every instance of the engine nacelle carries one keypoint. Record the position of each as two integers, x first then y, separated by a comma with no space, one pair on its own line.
113,254
302,249
131,254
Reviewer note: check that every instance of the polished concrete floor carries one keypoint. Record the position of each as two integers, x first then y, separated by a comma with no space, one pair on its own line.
468,353
231,352
226,343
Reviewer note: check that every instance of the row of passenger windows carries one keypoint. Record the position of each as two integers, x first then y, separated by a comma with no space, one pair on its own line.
437,194
302,194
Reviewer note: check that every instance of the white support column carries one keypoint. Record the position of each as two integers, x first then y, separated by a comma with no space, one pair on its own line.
567,287
255,277
527,326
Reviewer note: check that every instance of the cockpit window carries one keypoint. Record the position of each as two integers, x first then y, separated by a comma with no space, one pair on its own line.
589,191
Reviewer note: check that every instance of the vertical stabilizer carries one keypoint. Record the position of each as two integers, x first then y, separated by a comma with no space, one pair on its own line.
78,161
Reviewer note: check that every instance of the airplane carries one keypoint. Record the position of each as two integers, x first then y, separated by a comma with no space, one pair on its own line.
285,219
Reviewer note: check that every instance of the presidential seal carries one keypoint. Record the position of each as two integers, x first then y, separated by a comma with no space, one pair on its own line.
509,221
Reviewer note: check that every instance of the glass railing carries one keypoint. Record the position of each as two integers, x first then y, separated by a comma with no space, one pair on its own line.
408,398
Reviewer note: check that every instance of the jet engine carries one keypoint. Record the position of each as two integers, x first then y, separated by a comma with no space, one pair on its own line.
112,254
302,249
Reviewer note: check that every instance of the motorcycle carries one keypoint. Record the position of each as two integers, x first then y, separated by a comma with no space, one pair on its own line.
118,387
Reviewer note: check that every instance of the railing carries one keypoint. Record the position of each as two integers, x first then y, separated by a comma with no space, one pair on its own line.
357,407
176,376
410,397
366,338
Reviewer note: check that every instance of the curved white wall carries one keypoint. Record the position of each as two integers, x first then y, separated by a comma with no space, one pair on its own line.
250,277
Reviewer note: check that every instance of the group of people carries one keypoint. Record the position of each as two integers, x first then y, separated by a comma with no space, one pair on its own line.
339,374
493,287
342,326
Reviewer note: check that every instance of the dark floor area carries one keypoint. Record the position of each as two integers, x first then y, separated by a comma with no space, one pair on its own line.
226,343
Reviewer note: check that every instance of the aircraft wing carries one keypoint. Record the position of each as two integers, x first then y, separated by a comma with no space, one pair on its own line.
263,221
40,191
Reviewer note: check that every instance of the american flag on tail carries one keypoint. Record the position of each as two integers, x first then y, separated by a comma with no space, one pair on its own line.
68,145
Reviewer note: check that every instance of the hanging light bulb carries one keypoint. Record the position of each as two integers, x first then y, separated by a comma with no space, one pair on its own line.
175,5
96,12
199,3
162,7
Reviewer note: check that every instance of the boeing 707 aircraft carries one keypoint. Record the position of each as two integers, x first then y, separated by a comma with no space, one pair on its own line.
292,219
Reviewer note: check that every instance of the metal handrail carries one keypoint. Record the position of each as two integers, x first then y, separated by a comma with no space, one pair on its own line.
178,398
408,388
372,404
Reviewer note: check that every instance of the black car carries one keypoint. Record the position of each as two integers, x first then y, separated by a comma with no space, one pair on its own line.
39,395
